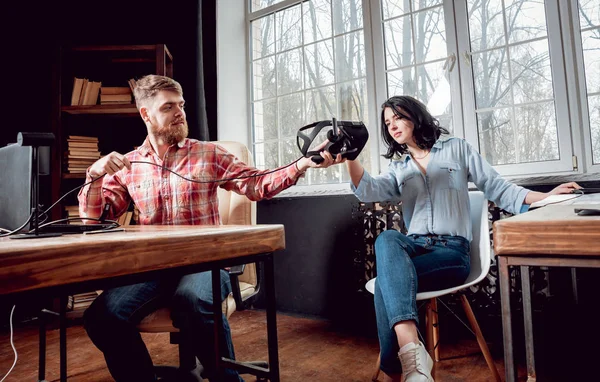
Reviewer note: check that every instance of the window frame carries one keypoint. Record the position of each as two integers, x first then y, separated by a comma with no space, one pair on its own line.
567,68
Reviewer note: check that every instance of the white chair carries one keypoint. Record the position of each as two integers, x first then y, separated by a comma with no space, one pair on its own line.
480,266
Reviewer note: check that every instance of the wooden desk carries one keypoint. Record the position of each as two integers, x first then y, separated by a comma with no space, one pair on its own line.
552,236
61,265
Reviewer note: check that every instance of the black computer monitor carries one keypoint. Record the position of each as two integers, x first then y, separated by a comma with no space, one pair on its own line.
16,172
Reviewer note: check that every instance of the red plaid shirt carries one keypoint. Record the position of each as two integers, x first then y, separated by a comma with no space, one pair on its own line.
164,198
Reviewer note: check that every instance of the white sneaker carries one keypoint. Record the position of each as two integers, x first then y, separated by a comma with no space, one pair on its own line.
416,363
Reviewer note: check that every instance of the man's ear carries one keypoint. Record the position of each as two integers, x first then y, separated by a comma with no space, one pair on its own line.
144,114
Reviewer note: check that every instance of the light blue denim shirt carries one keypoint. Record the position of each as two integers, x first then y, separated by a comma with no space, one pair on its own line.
438,203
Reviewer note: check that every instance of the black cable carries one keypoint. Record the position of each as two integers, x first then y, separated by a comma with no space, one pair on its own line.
141,162
217,180
20,228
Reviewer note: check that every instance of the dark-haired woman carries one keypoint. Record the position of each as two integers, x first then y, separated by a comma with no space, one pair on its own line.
431,179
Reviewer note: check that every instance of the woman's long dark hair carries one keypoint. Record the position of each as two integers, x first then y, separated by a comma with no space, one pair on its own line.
426,131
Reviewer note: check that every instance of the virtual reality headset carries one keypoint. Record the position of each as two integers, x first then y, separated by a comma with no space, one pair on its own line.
346,138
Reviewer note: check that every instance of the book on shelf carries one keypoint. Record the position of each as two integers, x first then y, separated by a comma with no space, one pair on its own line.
81,153
112,90
85,92
115,98
132,84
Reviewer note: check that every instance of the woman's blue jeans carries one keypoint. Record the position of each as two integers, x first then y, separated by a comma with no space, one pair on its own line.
112,318
407,265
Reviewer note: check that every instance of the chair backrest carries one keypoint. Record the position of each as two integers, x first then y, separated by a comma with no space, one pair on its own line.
480,245
235,208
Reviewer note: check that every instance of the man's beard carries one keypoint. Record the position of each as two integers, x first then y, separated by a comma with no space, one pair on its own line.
171,134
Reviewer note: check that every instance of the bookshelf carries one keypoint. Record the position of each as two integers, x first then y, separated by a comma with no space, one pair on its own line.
114,124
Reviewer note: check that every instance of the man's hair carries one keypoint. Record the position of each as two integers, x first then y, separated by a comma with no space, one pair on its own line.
426,130
148,86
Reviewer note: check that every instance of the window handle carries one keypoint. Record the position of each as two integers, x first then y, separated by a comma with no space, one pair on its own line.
467,55
452,59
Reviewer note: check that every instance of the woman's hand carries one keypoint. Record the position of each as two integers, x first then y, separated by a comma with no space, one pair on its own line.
565,188
328,160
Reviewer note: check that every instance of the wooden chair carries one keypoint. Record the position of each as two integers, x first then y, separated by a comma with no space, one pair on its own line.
480,266
245,280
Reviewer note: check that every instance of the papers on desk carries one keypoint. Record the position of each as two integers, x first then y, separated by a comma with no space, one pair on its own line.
553,199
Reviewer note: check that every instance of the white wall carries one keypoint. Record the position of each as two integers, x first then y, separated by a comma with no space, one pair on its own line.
232,82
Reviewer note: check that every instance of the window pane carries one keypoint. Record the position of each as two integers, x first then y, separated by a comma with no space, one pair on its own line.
398,42
319,64
263,37
289,28
532,76
350,56
266,155
317,20
525,19
420,4
589,13
393,8
320,104
486,24
291,116
591,59
263,75
347,16
352,97
434,88
594,107
402,82
430,35
537,137
490,75
257,5
265,120
496,136
289,71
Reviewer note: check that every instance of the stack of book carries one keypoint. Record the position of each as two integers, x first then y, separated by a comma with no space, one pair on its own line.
72,212
85,92
115,95
82,301
81,153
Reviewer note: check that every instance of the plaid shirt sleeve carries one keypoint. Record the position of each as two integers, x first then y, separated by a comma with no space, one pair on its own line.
93,197
263,184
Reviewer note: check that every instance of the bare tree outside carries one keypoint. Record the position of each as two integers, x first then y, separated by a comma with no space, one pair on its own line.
308,64
589,21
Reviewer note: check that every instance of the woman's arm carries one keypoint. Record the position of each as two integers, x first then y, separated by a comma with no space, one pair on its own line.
565,188
356,171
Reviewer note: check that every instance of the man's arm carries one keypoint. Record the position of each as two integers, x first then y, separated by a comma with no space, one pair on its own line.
95,195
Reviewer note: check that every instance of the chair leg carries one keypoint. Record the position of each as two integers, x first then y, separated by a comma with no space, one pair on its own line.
430,332
377,366
482,344
436,329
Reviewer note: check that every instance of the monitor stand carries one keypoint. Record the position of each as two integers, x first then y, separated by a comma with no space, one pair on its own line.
34,140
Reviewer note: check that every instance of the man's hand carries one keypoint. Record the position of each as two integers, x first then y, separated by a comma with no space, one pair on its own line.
565,188
109,164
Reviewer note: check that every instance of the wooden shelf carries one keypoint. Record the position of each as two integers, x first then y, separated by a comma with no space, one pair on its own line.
119,109
67,175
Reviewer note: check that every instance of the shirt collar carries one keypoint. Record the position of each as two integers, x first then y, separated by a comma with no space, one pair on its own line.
146,148
437,145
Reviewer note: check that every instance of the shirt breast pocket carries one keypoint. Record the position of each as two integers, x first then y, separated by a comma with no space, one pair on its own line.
450,175
406,186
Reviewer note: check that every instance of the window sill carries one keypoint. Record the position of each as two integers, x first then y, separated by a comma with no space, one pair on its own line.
316,191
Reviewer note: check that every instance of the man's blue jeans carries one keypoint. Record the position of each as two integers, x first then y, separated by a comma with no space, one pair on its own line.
112,318
405,265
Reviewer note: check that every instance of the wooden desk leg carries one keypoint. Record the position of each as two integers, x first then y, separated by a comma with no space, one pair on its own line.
271,320
509,359
217,317
526,291
42,355
63,338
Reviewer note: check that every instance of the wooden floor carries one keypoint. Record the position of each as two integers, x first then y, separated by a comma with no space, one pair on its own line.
309,350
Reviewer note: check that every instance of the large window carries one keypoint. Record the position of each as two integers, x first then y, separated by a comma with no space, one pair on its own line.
492,71
589,27
308,64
